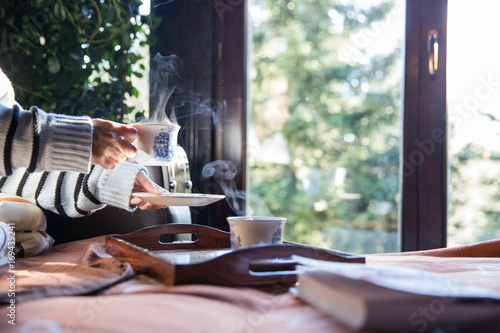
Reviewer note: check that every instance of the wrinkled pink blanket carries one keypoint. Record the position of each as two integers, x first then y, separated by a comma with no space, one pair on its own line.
77,287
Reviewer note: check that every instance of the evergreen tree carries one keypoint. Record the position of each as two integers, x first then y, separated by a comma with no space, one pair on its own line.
338,110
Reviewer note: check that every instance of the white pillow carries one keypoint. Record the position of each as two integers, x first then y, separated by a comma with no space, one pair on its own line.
24,218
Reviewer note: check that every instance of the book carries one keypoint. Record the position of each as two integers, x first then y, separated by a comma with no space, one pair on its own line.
390,298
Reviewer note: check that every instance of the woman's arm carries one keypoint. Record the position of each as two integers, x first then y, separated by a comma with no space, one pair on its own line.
38,141
73,194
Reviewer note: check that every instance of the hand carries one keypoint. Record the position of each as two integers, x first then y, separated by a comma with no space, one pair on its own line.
144,184
111,143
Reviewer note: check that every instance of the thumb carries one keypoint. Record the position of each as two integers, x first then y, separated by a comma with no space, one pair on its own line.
148,185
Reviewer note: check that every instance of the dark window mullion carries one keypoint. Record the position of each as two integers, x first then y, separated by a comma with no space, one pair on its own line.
424,202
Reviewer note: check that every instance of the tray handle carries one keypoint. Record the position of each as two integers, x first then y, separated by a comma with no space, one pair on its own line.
151,237
235,268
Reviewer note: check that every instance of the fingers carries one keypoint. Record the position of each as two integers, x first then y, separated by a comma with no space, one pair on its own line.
147,185
106,159
126,135
126,132
121,151
121,137
153,188
111,143
144,205
100,157
106,162
144,184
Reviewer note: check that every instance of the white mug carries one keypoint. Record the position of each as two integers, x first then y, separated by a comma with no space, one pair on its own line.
156,143
255,230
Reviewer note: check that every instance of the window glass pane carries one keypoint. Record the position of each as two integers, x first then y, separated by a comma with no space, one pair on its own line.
325,130
473,85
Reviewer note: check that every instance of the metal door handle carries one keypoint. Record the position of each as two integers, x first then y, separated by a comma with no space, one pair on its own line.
433,51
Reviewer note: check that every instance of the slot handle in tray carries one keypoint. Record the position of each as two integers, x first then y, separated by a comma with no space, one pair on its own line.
206,237
235,267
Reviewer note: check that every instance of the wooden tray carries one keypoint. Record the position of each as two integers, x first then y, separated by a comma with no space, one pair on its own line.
209,260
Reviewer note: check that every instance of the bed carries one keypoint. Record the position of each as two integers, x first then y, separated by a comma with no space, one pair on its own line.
78,287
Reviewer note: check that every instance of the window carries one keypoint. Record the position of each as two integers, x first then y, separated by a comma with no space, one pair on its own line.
401,182
326,125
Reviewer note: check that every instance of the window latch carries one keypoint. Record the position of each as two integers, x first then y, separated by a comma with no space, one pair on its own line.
433,51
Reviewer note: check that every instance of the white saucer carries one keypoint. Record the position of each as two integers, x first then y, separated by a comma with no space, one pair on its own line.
179,199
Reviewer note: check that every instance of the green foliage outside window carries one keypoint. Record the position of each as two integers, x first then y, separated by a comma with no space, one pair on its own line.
73,57
304,89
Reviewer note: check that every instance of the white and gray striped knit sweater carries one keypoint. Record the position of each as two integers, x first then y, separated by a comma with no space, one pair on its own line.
46,157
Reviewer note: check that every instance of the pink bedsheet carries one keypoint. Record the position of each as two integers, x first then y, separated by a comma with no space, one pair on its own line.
77,287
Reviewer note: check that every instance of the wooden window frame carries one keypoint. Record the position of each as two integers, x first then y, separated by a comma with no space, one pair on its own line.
424,163
191,27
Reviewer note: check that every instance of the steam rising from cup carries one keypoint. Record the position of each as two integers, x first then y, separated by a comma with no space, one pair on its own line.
163,79
225,172
168,95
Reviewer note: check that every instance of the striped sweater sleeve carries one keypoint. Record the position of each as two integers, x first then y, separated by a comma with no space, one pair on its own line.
38,141
73,194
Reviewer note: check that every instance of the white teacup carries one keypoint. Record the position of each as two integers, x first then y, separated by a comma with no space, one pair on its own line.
156,143
255,230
